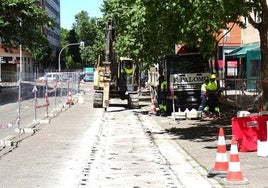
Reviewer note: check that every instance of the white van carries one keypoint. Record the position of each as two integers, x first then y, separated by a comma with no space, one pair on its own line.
50,77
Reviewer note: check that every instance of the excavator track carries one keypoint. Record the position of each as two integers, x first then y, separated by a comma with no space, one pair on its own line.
97,100
133,101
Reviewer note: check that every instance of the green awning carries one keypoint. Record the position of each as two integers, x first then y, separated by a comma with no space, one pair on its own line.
242,51
254,54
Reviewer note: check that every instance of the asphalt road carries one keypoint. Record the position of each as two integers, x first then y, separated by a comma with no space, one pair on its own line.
9,105
55,154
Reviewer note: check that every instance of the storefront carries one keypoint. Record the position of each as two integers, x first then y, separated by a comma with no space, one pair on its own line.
248,60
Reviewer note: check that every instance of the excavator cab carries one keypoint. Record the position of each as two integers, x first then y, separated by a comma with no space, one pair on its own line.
129,75
129,81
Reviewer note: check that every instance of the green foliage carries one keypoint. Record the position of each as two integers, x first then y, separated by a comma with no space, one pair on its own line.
19,20
20,23
89,30
40,50
151,28
148,29
73,51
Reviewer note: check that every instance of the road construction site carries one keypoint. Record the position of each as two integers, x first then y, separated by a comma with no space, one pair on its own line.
200,139
85,147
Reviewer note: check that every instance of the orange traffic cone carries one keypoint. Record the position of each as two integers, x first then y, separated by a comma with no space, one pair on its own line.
70,99
234,174
221,164
153,106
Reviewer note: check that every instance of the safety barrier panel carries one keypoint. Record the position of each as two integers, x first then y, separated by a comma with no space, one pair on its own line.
246,93
27,102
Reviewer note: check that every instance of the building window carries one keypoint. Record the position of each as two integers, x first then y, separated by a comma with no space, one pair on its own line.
7,59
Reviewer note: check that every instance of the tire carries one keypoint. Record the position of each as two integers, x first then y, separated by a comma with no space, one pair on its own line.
133,101
97,100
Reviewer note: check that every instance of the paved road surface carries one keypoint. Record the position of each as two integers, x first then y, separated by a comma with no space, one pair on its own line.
85,147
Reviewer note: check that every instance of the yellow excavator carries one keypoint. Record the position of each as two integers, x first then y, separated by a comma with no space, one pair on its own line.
115,78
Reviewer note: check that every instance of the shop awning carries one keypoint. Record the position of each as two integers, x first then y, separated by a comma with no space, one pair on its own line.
242,51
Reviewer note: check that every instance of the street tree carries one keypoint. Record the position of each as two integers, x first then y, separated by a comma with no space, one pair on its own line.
129,23
41,51
258,17
91,31
64,33
152,28
74,59
19,20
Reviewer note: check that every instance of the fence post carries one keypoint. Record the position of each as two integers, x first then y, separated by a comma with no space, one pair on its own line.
35,100
46,95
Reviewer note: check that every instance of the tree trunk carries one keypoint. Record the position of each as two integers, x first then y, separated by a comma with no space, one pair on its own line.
216,61
263,29
264,66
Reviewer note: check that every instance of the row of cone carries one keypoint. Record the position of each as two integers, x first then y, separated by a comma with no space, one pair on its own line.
153,106
70,98
230,170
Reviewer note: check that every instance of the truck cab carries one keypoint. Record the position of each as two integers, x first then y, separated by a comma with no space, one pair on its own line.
185,73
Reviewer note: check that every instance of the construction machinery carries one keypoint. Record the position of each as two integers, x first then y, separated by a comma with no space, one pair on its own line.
184,74
110,78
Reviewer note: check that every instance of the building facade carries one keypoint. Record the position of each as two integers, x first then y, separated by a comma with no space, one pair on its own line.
52,7
10,59
245,60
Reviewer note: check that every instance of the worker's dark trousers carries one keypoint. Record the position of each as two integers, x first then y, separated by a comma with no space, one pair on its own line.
212,103
163,101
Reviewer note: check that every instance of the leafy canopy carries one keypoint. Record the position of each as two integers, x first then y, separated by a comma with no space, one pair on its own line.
151,28
90,30
21,22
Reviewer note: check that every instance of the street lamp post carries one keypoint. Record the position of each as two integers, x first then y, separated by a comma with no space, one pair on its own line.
226,34
19,84
72,44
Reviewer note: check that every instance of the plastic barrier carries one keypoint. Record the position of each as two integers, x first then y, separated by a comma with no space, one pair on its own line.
262,146
248,130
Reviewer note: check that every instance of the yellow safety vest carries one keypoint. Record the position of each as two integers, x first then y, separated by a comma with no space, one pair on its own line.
212,86
128,71
163,85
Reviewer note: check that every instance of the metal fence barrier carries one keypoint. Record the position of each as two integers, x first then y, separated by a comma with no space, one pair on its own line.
33,100
23,103
245,93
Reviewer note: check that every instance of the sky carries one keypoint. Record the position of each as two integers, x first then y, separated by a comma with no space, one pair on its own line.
69,8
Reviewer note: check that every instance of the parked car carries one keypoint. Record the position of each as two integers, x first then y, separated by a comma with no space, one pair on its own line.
41,78
88,78
50,77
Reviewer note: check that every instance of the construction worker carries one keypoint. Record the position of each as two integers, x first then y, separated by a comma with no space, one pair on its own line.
163,96
203,95
128,69
212,96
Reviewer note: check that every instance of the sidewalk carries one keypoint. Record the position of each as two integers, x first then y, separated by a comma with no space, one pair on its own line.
200,138
53,156
82,140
